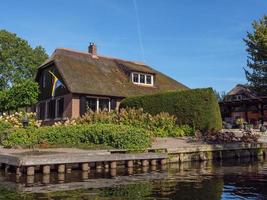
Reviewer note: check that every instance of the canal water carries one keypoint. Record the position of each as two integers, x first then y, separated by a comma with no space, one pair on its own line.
241,179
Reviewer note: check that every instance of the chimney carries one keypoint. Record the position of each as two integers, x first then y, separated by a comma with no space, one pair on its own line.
92,48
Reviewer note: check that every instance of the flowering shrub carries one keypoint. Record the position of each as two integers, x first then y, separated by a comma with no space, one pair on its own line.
161,125
15,120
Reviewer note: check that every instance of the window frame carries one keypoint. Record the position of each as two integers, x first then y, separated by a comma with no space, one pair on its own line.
145,79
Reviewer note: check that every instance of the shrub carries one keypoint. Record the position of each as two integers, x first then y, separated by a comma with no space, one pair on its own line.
15,120
117,136
197,108
161,125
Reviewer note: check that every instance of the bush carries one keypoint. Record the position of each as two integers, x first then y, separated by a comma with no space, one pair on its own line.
197,108
117,136
161,125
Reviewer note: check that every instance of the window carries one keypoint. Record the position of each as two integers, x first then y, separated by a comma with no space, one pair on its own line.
142,79
51,109
104,104
113,104
60,108
148,79
91,104
135,78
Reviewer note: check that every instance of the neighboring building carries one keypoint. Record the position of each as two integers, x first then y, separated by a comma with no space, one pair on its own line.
241,102
72,82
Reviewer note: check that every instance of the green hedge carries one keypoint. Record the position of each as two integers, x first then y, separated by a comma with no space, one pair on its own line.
117,136
198,107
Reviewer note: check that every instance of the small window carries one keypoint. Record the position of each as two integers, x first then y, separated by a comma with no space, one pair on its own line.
91,104
148,79
60,107
135,78
103,104
51,109
113,104
142,78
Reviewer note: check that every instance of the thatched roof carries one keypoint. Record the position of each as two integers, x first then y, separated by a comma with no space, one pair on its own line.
85,73
242,89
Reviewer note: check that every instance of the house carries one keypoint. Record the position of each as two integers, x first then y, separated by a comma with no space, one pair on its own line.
71,82
242,102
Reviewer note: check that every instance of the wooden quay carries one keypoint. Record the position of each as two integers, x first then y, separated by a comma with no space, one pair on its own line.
21,163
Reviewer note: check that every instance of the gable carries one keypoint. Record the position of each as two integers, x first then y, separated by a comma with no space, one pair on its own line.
46,78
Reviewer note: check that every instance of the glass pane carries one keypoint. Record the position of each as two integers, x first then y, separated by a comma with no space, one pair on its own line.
91,104
142,78
135,78
148,79
51,109
60,108
113,104
103,104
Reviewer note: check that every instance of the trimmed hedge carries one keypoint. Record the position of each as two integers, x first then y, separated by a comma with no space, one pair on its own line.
198,107
117,136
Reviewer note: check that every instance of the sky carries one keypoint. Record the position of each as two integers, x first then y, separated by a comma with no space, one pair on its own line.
198,43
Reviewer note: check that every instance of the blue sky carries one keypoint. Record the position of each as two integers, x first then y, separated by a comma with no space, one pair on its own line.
199,43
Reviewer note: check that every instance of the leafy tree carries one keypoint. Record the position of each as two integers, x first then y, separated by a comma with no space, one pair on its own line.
256,42
18,60
22,94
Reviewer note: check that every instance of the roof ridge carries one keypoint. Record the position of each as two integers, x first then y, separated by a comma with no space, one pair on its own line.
101,56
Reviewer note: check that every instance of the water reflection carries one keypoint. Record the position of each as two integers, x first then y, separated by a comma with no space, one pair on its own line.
242,179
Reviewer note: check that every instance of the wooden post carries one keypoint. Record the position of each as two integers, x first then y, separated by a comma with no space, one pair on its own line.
18,171
46,169
46,179
30,171
130,164
113,172
113,165
61,177
153,162
61,168
85,167
145,163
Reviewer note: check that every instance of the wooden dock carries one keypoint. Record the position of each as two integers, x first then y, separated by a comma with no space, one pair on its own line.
63,162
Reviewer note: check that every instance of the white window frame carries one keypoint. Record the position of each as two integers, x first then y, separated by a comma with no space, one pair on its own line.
145,84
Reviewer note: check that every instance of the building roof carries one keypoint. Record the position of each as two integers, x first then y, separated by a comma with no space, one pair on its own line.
242,89
86,73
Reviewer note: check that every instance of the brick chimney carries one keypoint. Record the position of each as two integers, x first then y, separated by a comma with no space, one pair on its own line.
92,48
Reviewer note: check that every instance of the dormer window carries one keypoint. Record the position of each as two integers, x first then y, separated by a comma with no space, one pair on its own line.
142,79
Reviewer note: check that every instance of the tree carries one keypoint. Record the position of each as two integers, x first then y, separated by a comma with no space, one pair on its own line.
22,94
256,42
18,60
219,96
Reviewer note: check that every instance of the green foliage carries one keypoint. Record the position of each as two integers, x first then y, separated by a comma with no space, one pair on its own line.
161,125
197,108
117,136
256,42
22,94
18,60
